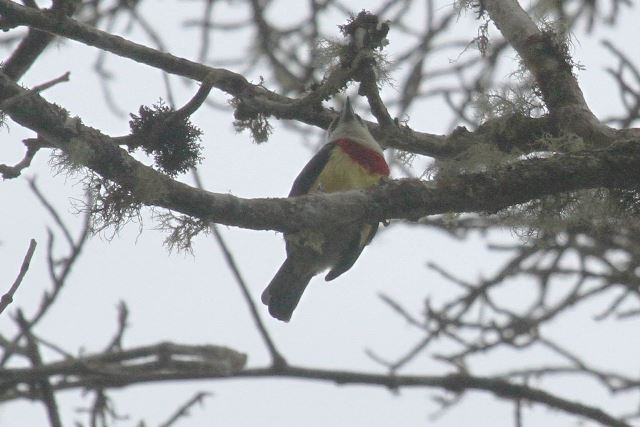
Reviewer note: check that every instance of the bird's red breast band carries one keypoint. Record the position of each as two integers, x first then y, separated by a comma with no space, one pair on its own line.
369,159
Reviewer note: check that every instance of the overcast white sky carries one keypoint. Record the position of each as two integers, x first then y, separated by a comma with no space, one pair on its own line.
194,299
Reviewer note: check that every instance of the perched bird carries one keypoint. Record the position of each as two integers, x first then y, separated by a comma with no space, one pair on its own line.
351,159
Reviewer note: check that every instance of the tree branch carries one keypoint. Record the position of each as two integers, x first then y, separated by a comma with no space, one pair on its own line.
183,410
35,42
256,97
617,166
551,68
45,390
8,297
9,102
10,172
166,362
276,358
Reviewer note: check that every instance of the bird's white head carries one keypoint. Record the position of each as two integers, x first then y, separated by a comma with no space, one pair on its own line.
348,125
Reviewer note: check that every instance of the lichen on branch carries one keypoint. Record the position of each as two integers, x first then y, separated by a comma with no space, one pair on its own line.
172,140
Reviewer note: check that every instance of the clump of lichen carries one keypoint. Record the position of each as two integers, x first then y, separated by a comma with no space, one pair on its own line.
597,212
361,48
558,42
110,205
474,5
477,158
255,122
171,139
365,31
521,98
181,228
366,38
626,199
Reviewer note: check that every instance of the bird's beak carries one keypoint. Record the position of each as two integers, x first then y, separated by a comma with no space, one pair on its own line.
347,112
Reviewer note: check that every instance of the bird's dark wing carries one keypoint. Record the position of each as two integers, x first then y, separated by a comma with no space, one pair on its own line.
372,233
309,174
351,254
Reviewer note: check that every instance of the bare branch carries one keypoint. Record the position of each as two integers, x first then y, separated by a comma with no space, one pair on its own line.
7,298
10,102
58,278
183,411
198,99
629,95
9,172
277,359
168,362
52,211
45,391
116,341
35,42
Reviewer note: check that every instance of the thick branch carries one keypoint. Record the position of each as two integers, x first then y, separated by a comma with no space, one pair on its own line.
34,43
490,191
551,68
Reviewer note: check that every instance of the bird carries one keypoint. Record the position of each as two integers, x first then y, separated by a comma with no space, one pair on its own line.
351,159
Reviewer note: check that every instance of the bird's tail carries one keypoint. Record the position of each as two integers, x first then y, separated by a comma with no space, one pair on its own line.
283,293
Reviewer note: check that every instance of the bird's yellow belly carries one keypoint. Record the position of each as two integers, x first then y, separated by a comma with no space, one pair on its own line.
342,174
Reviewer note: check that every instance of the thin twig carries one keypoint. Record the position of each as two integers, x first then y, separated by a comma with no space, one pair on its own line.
517,413
116,342
58,279
276,358
9,172
198,99
10,102
8,297
46,391
52,211
183,410
369,88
